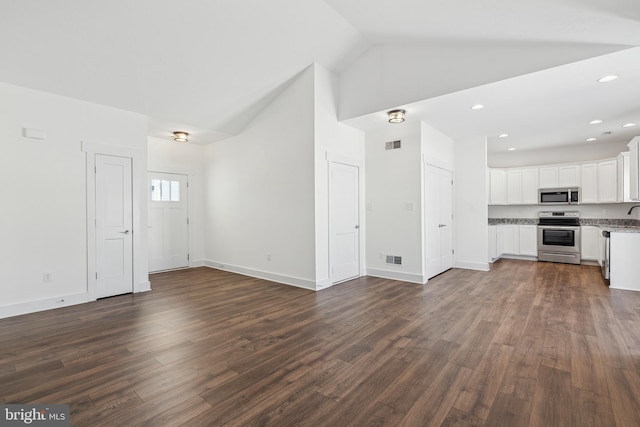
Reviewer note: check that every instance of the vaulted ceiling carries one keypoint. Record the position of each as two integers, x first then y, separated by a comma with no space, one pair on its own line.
209,66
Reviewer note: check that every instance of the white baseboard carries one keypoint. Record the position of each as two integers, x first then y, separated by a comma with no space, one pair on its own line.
274,277
197,263
397,275
144,286
42,305
480,266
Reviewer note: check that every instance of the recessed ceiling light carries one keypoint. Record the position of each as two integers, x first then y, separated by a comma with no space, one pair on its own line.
606,79
591,139
595,122
477,107
628,125
511,149
503,135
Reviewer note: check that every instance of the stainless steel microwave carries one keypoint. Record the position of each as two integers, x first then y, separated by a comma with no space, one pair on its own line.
559,196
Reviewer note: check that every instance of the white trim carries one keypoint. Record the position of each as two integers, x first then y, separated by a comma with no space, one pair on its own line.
273,277
197,263
139,171
480,266
337,158
42,305
189,220
325,283
398,275
361,243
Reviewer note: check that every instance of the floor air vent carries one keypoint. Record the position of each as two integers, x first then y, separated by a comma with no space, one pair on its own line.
392,145
391,259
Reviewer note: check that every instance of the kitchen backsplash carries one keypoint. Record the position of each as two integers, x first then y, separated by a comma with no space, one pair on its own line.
599,211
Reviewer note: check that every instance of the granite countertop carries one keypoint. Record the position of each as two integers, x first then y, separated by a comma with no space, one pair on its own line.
611,225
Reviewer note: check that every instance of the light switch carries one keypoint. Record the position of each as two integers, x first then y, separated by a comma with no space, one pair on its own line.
33,133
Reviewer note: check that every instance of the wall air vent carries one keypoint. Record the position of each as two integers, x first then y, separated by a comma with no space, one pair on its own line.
392,259
392,145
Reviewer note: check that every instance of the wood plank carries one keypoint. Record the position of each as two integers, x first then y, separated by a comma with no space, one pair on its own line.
553,398
525,344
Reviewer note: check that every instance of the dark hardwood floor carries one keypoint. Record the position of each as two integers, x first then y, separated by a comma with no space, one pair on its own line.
527,344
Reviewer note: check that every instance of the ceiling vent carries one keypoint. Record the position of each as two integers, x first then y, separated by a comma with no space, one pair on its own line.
392,145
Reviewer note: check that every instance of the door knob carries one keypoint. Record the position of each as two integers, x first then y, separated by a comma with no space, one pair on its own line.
357,226
125,232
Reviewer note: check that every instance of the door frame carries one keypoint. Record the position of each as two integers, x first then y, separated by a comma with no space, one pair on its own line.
333,158
187,190
447,168
138,204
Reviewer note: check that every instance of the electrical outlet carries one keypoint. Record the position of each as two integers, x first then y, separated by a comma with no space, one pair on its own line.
268,256
46,276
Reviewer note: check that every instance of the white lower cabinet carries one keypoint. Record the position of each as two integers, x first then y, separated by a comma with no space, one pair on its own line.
590,243
528,239
513,239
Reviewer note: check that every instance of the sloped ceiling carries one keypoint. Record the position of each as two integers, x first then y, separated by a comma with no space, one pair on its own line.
208,66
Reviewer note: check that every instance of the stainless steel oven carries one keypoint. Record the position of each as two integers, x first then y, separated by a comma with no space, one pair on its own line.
559,237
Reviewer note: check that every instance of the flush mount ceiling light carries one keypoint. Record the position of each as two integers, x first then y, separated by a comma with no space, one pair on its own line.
503,135
595,122
591,139
628,125
181,136
606,79
396,116
477,107
511,149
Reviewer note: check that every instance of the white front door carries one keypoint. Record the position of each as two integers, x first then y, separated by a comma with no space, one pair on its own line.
114,225
438,208
344,221
168,222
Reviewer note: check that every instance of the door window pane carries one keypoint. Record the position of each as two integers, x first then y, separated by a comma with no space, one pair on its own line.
175,191
165,191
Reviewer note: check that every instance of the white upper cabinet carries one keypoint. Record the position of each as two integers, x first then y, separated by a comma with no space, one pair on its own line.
514,187
530,186
569,176
589,188
608,181
548,177
604,181
634,165
498,187
624,175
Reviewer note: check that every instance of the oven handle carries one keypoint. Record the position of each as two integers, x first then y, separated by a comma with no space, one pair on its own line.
562,227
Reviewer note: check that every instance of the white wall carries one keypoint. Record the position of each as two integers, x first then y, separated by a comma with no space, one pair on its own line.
166,155
259,192
437,147
43,220
471,215
565,154
339,142
393,75
393,181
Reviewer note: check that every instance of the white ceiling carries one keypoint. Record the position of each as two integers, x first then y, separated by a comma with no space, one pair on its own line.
208,66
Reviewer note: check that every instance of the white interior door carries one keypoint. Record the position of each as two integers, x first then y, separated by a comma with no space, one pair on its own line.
438,208
114,225
344,221
168,221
